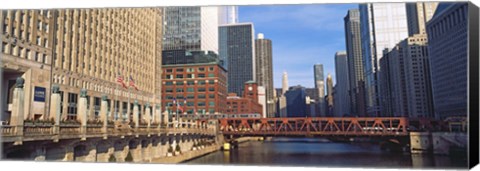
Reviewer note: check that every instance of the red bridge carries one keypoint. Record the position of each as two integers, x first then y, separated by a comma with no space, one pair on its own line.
326,126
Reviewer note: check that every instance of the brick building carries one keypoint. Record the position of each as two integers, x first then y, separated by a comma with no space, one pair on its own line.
246,104
196,80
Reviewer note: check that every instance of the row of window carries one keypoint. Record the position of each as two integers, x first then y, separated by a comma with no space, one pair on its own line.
199,82
189,89
200,69
181,76
190,96
189,104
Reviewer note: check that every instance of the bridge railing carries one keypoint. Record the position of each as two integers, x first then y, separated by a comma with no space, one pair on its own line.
315,126
70,130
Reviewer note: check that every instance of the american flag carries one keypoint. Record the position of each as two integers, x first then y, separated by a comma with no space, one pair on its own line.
132,83
120,80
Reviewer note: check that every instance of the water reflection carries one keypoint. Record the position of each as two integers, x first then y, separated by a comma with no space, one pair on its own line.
316,152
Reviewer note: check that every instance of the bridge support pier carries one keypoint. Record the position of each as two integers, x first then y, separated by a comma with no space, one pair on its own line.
420,142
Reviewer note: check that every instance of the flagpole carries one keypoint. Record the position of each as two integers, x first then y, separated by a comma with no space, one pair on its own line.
114,114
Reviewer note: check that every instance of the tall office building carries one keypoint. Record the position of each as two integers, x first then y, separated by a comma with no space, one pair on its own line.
341,88
82,48
228,14
447,46
382,26
284,83
296,101
237,48
329,95
417,76
355,62
392,83
418,14
264,74
195,28
320,86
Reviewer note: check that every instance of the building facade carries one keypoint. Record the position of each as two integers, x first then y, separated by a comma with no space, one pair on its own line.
237,48
248,103
296,102
83,49
342,100
264,68
320,86
382,26
447,46
355,62
418,14
195,28
194,87
329,96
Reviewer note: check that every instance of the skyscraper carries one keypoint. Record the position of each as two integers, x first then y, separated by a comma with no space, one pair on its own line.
447,47
228,14
237,48
284,83
264,74
329,95
341,88
355,62
320,86
296,101
195,28
418,14
382,26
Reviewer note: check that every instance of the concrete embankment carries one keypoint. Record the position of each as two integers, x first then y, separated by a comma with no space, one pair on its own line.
186,155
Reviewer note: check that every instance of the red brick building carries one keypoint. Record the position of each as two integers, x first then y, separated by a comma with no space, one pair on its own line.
246,104
199,80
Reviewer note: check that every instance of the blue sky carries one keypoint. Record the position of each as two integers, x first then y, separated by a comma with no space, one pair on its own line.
302,35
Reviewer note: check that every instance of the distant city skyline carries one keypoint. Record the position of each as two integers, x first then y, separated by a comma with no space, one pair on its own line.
302,35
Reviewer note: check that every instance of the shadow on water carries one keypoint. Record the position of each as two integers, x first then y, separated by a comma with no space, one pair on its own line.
318,153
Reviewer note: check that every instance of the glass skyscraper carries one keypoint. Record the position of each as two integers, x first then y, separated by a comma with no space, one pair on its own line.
237,48
195,28
320,87
382,26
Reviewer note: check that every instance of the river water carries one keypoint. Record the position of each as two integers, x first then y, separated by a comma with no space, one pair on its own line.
323,153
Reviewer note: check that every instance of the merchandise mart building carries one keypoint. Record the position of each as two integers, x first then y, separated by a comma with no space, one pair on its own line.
81,49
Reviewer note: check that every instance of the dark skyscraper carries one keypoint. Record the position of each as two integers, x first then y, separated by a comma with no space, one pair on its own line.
236,47
342,100
296,105
264,70
355,65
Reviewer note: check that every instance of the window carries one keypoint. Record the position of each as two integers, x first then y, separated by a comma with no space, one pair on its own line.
201,103
190,75
211,81
202,89
210,69
211,104
169,76
211,75
211,89
190,103
190,83
190,70
169,90
179,70
201,82
168,70
179,90
179,76
190,89
201,75
190,96
201,69
179,82
211,96
168,83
